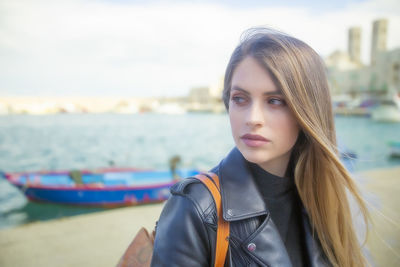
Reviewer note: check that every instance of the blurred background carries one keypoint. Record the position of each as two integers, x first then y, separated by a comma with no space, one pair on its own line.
87,84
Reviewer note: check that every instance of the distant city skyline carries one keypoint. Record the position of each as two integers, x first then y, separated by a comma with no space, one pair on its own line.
159,48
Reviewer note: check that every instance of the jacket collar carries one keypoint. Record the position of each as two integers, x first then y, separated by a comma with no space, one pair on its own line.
240,197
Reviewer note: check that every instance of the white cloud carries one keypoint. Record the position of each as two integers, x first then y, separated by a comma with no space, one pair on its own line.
80,47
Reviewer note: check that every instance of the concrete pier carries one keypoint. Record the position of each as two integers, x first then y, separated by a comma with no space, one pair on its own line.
381,190
97,239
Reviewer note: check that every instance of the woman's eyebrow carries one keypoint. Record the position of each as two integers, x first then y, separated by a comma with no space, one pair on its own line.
237,88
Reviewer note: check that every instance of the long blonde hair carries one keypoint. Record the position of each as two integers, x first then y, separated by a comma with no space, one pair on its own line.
321,179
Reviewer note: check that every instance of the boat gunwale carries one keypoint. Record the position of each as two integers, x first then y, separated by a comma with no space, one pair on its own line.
93,187
87,187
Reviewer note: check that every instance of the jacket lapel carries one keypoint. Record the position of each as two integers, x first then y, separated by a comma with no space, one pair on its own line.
265,246
240,197
241,200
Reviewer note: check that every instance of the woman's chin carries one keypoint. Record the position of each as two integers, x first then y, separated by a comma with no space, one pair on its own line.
256,157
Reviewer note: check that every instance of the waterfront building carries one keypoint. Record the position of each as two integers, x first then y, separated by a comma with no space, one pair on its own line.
379,37
206,99
354,46
347,75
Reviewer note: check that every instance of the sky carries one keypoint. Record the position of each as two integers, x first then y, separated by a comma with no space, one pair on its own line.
159,48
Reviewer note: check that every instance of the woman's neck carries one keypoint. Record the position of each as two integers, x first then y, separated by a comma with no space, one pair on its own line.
277,166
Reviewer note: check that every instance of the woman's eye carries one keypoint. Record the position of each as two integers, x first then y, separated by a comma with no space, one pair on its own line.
276,101
238,99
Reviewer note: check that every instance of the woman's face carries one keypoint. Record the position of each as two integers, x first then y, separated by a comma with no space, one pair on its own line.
263,126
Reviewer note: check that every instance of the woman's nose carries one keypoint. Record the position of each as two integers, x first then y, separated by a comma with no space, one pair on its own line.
255,115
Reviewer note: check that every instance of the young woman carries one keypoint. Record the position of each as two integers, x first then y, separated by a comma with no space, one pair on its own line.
283,187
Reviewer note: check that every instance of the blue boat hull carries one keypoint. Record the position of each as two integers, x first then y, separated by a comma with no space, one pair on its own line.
99,197
111,187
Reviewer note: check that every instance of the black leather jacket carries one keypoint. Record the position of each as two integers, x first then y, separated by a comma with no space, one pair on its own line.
186,230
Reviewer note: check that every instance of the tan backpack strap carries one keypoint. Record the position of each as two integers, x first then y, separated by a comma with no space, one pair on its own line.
223,226
215,179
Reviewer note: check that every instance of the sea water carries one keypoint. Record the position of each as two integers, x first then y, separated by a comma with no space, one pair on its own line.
88,141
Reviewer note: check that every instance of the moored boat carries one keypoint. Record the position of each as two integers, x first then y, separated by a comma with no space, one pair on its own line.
394,149
103,187
387,111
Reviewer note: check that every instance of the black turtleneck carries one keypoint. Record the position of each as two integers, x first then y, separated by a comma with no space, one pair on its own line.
281,198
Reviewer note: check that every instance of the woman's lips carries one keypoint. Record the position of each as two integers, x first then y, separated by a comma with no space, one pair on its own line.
254,140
